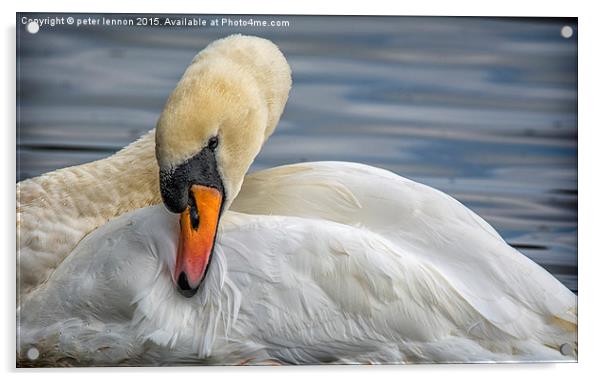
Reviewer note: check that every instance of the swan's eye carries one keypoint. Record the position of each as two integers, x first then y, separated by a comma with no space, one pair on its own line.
213,142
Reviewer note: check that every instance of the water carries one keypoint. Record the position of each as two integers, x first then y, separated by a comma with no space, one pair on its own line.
483,109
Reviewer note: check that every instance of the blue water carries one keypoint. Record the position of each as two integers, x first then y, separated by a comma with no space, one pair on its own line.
483,109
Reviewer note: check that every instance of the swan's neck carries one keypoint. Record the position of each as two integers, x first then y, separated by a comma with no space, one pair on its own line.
56,210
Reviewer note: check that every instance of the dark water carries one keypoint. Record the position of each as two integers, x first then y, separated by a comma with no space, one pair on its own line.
483,109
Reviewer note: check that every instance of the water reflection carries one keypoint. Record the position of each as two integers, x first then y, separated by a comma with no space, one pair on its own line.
483,109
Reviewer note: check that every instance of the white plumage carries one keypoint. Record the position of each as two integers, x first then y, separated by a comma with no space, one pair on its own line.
316,262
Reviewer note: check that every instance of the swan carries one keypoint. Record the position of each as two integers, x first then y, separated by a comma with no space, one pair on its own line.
168,252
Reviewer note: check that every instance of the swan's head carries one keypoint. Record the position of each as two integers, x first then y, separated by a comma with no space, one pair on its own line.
214,123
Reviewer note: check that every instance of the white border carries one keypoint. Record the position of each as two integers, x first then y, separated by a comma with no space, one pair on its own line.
372,7
590,190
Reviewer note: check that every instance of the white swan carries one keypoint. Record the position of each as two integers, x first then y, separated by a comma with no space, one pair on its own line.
313,263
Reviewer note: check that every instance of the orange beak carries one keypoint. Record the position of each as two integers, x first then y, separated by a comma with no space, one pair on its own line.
198,226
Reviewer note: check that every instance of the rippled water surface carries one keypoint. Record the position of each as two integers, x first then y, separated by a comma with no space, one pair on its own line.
483,109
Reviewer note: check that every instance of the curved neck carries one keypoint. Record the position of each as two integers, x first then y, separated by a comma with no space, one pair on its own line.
56,210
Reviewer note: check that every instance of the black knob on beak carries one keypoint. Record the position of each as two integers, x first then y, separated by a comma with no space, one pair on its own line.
175,183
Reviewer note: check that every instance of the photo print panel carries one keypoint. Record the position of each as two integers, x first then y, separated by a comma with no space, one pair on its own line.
293,190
